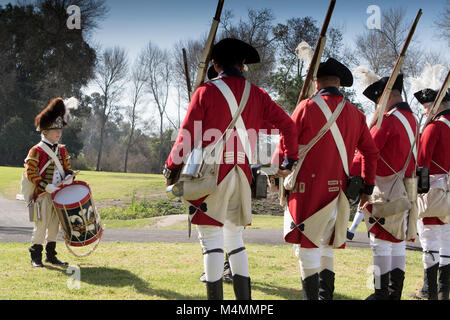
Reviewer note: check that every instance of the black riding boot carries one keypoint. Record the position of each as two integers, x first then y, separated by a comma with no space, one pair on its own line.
214,290
396,278
430,284
444,279
242,287
51,255
311,287
36,255
326,284
381,293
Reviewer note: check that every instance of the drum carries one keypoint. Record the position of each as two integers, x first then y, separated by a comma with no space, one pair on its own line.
77,214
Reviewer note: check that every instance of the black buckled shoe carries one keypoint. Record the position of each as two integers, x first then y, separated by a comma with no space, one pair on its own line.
36,255
51,255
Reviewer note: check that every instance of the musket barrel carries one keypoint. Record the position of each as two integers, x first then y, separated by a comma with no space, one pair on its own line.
396,71
186,72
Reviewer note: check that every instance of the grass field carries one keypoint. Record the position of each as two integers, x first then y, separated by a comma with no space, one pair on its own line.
108,187
121,271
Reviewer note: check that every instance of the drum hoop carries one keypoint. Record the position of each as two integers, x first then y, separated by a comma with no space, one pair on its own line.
72,205
87,242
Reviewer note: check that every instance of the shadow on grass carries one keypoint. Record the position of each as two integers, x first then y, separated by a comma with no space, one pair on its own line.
288,293
117,278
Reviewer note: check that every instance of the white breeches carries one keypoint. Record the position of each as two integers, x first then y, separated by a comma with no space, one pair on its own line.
213,240
312,260
435,241
47,227
387,255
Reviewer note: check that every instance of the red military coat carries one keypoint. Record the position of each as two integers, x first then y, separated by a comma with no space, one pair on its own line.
36,160
435,147
322,176
393,142
209,110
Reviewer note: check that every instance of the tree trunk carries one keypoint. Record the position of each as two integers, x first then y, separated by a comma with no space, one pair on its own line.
161,142
128,148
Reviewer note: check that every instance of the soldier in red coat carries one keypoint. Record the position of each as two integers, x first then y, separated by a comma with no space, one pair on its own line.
434,229
394,139
44,174
222,215
318,211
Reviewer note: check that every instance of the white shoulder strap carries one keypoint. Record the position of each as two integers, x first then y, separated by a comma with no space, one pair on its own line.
334,130
442,119
54,156
232,104
408,129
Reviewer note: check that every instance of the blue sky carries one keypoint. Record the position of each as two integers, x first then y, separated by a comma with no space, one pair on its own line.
133,23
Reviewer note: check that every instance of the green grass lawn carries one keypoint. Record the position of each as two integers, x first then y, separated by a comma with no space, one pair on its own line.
120,271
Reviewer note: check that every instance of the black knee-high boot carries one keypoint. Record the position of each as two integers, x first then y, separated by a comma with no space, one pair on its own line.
326,284
382,291
242,287
36,255
311,287
214,290
396,279
444,282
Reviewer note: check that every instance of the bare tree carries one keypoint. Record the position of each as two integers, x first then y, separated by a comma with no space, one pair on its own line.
256,30
194,49
442,23
158,67
111,75
138,81
381,48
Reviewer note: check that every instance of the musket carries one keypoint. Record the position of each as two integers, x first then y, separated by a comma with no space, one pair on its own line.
311,75
437,101
186,72
398,65
206,55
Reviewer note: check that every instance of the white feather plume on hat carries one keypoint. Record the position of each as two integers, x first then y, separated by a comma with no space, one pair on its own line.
71,104
431,78
366,76
304,52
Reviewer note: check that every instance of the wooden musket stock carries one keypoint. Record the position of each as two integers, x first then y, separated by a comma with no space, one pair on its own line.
206,55
318,50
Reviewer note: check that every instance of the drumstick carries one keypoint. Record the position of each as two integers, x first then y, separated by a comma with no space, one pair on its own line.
60,183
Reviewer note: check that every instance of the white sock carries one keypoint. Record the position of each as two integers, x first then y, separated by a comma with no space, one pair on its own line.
239,263
213,263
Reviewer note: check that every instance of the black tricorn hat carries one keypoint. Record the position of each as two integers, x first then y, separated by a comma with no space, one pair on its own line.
375,90
332,67
52,117
212,73
230,50
426,95
429,95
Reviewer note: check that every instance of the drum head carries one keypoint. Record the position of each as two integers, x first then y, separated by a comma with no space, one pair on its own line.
71,194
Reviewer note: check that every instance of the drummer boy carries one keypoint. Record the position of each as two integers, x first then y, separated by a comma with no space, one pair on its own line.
42,171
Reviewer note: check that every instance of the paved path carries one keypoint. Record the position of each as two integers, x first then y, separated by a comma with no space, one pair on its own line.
15,227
